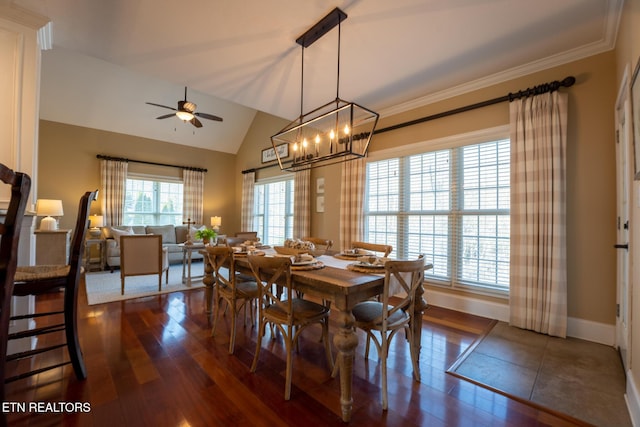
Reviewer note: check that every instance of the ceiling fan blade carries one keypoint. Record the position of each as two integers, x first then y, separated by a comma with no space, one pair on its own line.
209,116
196,122
160,105
166,116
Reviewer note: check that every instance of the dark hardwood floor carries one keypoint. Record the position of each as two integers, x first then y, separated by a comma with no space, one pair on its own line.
152,362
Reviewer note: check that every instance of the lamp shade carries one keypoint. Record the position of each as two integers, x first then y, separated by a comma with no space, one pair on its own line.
216,222
96,221
49,208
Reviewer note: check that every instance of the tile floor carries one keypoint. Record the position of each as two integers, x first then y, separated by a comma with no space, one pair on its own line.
576,377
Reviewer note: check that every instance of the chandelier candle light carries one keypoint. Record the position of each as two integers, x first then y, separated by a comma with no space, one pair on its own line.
337,131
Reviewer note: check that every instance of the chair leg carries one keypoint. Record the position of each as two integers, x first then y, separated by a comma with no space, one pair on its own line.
261,331
413,350
232,333
385,350
366,348
71,333
289,345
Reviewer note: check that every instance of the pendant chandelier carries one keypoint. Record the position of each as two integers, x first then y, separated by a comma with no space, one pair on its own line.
337,131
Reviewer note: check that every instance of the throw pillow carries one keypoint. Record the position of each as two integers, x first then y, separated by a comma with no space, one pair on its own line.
117,232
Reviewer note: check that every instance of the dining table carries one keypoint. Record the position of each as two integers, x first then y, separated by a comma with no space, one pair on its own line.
334,281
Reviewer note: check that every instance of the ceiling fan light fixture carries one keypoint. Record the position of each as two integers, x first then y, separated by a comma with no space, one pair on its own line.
184,115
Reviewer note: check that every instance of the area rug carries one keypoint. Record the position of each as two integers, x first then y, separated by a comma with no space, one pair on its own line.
581,379
104,286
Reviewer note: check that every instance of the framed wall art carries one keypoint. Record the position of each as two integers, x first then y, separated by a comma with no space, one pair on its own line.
269,154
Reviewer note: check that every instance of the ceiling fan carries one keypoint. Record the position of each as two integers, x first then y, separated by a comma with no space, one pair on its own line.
186,112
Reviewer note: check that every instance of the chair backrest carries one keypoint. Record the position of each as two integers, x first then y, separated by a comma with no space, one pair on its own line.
319,242
76,254
219,257
248,235
20,184
271,272
234,241
375,247
140,254
409,275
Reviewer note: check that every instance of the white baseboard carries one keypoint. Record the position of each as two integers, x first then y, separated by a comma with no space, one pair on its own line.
601,333
632,397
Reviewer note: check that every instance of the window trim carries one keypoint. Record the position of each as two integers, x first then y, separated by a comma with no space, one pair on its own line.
271,180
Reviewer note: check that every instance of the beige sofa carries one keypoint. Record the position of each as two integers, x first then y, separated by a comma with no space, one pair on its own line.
172,237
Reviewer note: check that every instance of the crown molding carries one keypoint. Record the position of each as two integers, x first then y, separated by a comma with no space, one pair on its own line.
22,16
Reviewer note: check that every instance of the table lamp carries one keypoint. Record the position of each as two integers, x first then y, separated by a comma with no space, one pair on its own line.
216,222
95,222
49,208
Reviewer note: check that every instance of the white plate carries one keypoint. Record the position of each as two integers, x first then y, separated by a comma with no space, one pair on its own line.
307,262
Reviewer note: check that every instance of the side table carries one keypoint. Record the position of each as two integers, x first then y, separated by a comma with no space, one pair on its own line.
187,252
52,247
90,262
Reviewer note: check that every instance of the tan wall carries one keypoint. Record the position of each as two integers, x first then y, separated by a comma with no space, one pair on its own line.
68,167
590,171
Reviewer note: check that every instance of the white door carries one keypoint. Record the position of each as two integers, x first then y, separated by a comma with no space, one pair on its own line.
624,171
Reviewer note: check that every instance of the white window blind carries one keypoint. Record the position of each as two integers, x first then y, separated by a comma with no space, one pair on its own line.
452,205
274,211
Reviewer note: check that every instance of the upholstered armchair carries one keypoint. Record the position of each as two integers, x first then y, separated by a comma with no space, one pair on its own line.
142,255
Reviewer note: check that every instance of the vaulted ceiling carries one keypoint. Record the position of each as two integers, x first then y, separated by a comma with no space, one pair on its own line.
238,57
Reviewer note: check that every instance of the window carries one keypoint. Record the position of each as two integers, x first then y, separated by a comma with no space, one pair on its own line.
451,205
274,211
152,201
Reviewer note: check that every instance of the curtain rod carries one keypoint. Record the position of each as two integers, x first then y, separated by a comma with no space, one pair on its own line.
536,90
122,159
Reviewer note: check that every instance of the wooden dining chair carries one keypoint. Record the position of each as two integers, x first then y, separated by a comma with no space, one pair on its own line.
381,320
237,292
40,279
19,184
373,247
290,316
142,255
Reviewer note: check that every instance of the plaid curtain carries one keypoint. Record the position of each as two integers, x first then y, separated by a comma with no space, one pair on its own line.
113,174
538,289
302,204
248,184
192,195
351,202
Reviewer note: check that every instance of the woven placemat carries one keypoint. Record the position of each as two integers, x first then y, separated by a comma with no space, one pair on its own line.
365,269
